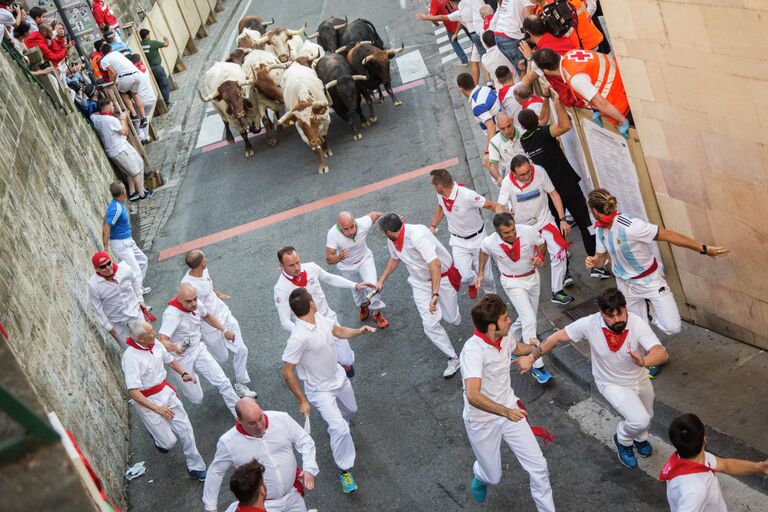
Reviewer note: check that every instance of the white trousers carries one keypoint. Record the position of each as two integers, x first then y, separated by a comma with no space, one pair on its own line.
167,432
129,253
447,309
467,260
143,133
635,405
344,353
291,502
485,438
557,264
523,293
663,307
218,346
123,329
364,272
199,361
337,407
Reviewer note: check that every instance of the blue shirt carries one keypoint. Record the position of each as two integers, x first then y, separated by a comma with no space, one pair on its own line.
117,218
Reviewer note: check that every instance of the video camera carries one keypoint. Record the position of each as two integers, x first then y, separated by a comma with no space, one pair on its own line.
559,17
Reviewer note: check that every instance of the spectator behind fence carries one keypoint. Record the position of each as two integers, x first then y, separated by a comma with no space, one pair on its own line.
507,24
126,77
113,133
95,58
35,18
151,50
147,95
484,104
506,99
10,18
116,43
40,39
493,57
104,18
87,101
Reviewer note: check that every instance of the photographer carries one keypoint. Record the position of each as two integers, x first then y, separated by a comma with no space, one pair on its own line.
10,18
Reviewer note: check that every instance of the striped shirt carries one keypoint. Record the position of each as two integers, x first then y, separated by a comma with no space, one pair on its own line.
484,104
630,244
117,218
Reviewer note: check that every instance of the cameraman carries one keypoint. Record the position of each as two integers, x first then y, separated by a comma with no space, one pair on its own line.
11,16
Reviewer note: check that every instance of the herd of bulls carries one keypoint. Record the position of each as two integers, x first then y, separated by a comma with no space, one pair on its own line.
277,70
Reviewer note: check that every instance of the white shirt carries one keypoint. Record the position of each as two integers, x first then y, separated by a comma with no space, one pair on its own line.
119,63
312,348
7,19
509,17
207,297
315,274
583,85
502,150
145,92
274,450
182,327
699,492
464,217
630,242
480,360
145,368
529,237
529,203
610,367
115,302
492,59
420,247
508,102
468,13
109,129
357,247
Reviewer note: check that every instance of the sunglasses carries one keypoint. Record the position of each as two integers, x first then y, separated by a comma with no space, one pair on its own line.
105,266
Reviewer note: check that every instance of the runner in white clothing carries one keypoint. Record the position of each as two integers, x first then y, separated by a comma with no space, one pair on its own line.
114,293
492,412
247,484
346,247
526,191
296,274
154,400
503,147
311,352
518,252
213,301
690,472
461,208
180,333
622,347
434,280
272,438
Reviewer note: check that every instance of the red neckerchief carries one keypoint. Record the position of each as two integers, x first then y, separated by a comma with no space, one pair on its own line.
240,428
494,343
531,100
504,91
512,252
605,221
247,508
300,280
176,303
114,273
140,66
106,114
131,343
526,185
449,202
398,242
615,341
677,466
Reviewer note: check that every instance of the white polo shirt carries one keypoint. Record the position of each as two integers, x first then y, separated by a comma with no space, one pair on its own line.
357,247
274,450
529,237
207,297
144,368
312,348
610,367
463,216
182,327
108,128
630,243
509,17
115,302
119,63
502,150
699,492
468,13
315,274
529,202
420,247
483,361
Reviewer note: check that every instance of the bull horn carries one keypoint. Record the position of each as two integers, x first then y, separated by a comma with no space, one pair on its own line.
358,78
276,66
320,103
243,83
341,49
285,117
267,23
339,27
261,40
330,84
395,52
363,42
208,98
367,59
313,35
297,32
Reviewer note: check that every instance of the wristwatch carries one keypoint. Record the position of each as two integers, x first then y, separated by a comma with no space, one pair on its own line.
703,249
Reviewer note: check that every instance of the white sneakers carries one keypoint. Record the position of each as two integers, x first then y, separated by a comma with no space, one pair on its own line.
243,391
452,368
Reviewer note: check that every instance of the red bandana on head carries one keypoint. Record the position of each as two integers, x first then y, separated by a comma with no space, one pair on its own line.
131,343
494,343
677,466
398,242
176,303
615,341
514,181
300,280
240,428
605,221
512,252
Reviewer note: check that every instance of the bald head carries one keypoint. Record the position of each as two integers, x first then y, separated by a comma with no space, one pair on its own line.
194,258
187,296
251,417
346,223
505,124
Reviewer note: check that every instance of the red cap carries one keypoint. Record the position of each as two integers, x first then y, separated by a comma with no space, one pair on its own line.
99,259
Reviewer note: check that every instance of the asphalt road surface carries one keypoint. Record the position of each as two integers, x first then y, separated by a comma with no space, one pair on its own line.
412,451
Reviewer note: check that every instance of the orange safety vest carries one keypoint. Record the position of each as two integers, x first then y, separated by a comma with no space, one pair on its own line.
604,73
588,34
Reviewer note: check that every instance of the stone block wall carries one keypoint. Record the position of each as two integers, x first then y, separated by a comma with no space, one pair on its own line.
54,180
696,72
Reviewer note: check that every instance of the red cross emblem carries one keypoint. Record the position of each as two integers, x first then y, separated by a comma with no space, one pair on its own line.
580,56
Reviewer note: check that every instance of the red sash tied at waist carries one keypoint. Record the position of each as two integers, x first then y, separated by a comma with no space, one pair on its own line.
545,435
649,271
454,277
156,389
559,240
520,275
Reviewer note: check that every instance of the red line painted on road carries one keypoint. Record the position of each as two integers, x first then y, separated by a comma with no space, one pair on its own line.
222,143
301,210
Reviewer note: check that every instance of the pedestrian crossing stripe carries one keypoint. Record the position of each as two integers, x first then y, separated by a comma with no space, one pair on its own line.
445,46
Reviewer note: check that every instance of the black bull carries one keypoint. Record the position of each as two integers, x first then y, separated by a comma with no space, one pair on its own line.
345,89
360,30
373,62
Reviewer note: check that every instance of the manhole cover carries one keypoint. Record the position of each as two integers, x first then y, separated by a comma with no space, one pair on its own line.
582,310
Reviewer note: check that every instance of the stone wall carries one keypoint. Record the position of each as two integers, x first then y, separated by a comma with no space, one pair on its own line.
696,72
54,180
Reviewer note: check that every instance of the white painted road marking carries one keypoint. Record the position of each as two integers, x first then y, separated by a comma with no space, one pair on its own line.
210,131
411,67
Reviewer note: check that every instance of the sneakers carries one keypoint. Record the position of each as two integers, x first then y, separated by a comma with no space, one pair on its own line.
452,368
644,448
170,105
626,453
146,290
162,450
243,391
148,192
381,322
568,281
479,490
600,273
364,311
561,298
350,371
198,474
472,291
541,375
654,371
143,123
348,484
134,197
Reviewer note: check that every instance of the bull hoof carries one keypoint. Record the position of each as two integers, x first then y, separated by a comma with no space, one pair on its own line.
248,153
357,136
373,119
366,124
230,141
328,153
322,170
272,142
397,103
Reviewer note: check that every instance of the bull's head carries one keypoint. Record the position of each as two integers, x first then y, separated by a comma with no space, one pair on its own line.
378,62
238,56
307,115
230,92
346,90
278,40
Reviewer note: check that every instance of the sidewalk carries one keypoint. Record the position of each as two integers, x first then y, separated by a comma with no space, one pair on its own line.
719,379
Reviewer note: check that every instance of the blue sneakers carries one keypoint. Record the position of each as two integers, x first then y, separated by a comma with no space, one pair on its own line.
479,490
349,370
644,448
541,375
198,474
348,484
653,371
626,453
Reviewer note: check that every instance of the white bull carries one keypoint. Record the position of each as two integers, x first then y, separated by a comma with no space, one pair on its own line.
265,71
305,48
251,39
